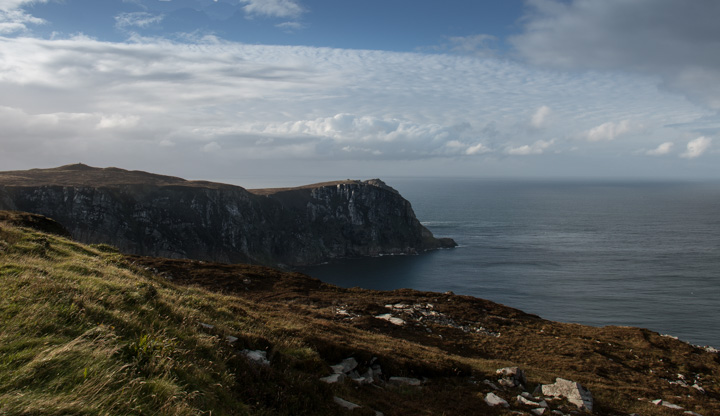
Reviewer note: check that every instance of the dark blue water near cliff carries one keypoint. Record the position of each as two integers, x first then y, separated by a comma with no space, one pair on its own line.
620,253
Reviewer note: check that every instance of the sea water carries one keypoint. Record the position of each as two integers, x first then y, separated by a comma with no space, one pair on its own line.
596,253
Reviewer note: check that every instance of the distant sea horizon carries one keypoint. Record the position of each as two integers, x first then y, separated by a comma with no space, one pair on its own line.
595,252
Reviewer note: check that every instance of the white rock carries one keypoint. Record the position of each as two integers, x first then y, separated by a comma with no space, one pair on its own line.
657,402
346,404
671,406
206,326
333,378
409,381
526,401
698,388
258,356
393,320
539,411
512,373
231,339
687,412
572,391
493,399
346,366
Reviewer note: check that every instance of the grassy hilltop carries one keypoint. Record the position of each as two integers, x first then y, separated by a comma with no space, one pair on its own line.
86,330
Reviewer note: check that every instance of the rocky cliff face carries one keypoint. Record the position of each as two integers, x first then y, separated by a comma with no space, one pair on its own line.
164,216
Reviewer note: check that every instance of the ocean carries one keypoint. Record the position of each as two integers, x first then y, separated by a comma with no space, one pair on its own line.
643,254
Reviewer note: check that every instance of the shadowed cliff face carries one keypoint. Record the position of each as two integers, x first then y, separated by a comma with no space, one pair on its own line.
163,216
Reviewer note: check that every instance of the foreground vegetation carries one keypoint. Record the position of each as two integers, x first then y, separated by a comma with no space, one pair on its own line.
85,330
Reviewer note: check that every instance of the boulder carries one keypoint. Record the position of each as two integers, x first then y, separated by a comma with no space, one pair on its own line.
572,391
493,399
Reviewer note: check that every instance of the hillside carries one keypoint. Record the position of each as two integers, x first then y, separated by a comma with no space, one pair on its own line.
86,330
148,214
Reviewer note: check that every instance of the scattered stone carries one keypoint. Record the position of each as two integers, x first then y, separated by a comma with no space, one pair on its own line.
491,384
511,377
259,357
572,391
527,402
231,339
539,411
408,381
333,378
346,404
206,326
393,320
698,388
493,399
346,366
687,412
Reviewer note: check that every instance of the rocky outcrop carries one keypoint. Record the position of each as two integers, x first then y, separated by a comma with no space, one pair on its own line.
147,214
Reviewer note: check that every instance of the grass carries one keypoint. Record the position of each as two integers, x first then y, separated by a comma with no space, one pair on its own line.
85,330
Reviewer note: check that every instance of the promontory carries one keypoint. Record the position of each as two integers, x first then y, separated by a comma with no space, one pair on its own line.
164,216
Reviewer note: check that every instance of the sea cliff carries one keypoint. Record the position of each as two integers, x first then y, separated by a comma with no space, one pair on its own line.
164,216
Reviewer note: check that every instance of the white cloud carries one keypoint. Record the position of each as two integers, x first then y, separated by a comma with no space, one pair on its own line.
13,21
477,149
273,8
115,121
608,131
212,147
697,147
15,4
137,19
536,148
675,41
662,149
540,117
85,97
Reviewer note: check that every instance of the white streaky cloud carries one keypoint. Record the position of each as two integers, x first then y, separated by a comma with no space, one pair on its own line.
114,121
662,149
536,148
15,4
477,149
697,147
13,21
671,40
540,117
273,8
301,103
137,19
608,131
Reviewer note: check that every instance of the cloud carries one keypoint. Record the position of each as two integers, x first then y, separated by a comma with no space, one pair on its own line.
273,8
672,40
540,117
137,19
536,148
480,45
87,98
6,5
662,149
477,149
13,21
608,131
697,147
212,147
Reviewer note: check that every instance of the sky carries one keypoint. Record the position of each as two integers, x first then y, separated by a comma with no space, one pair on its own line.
263,92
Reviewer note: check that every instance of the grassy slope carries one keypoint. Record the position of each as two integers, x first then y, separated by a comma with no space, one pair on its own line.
85,330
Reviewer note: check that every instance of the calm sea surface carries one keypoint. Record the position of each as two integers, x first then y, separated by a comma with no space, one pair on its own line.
610,253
